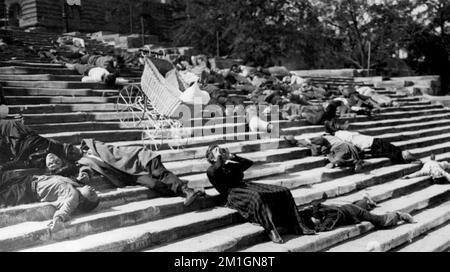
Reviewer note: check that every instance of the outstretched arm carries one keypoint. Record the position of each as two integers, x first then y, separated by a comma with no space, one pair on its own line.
417,174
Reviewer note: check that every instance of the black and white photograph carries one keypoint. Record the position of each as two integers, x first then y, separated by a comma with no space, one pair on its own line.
254,128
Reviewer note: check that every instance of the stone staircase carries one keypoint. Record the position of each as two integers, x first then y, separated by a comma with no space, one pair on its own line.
53,101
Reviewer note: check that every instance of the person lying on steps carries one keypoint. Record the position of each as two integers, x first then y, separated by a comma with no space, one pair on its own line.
376,147
64,193
329,217
23,148
438,171
268,205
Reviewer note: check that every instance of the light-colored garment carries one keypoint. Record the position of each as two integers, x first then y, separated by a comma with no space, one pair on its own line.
194,96
4,110
380,99
95,75
434,169
361,141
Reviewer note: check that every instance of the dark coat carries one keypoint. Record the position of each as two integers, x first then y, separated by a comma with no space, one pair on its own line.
120,164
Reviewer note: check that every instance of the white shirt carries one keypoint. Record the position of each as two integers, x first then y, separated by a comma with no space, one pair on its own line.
434,169
95,75
359,140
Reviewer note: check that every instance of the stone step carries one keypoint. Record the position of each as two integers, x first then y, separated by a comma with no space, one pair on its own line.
436,240
413,202
411,108
390,238
312,175
44,211
268,144
33,100
34,233
11,92
382,176
52,84
142,235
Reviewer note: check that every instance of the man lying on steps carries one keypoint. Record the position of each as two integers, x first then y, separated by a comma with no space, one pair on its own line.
377,147
133,165
339,153
329,217
436,170
65,194
22,148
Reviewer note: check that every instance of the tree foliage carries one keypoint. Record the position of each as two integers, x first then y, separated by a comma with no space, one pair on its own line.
322,33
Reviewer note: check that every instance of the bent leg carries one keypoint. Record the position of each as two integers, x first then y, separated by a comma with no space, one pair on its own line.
166,182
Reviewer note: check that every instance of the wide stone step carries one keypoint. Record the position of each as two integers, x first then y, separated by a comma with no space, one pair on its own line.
413,202
44,211
411,108
143,235
436,240
202,142
40,77
139,236
65,121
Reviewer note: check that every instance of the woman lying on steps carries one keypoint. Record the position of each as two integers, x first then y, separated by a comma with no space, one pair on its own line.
268,205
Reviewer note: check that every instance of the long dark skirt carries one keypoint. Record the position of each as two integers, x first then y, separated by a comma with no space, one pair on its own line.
267,205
